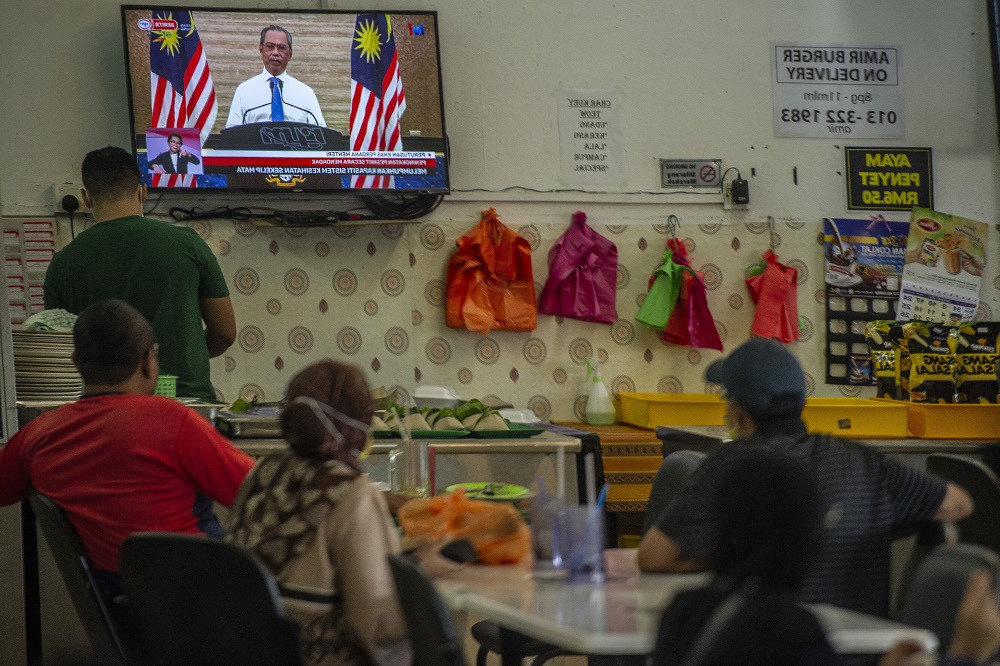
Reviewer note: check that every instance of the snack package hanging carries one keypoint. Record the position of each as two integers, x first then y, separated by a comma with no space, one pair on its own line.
583,275
975,345
691,322
885,358
664,289
932,362
496,529
776,294
489,283
897,338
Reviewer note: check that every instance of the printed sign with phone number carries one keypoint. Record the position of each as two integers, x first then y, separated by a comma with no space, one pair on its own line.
829,91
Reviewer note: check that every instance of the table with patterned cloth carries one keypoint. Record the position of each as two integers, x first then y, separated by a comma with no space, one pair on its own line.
631,456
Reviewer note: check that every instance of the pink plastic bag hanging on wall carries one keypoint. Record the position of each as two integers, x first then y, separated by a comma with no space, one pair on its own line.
583,275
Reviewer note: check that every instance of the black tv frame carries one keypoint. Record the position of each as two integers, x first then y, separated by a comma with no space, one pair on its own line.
441,145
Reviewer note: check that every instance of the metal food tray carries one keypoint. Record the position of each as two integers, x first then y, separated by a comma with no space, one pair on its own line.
265,423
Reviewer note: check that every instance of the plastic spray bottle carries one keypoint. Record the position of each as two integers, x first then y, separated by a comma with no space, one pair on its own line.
600,409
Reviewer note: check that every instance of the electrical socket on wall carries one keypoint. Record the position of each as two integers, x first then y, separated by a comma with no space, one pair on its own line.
61,190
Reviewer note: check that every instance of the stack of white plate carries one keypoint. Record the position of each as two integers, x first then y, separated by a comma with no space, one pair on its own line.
43,366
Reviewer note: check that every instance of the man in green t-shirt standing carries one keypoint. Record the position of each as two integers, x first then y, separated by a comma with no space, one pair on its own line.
166,272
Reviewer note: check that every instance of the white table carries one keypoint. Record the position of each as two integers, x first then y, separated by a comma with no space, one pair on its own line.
618,621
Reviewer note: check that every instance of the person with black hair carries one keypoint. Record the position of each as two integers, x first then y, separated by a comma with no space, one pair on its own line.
867,494
120,459
175,159
166,271
767,527
767,517
274,95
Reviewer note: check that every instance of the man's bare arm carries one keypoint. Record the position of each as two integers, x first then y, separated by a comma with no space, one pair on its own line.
658,553
955,506
220,324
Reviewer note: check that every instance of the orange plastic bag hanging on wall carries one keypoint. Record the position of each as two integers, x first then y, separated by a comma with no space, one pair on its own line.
496,529
489,283
775,292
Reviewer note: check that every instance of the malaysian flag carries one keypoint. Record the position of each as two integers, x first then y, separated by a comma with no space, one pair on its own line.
180,83
377,100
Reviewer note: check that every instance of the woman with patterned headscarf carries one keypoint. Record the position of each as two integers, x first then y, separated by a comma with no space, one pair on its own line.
322,528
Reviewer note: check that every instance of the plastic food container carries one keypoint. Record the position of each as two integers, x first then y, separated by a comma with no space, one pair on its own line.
648,410
858,418
436,396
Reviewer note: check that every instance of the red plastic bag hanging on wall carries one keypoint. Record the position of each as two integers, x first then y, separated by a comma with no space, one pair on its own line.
489,283
775,292
691,322
583,275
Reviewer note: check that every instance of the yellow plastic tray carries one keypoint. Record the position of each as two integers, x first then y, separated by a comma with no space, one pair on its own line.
857,418
648,410
954,421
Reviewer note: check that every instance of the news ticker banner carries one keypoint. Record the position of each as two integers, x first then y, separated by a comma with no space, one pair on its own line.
334,163
591,137
889,178
833,90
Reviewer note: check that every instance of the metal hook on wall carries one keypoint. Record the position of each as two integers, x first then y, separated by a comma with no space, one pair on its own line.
673,224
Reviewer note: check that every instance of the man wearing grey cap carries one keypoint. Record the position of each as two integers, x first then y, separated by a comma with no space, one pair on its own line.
866,495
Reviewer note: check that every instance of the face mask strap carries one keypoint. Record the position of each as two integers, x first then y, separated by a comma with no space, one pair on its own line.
319,408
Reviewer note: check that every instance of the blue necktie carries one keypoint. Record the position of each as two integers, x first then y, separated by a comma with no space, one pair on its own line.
277,108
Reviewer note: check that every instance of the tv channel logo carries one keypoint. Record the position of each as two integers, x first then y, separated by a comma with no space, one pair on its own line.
415,29
157,24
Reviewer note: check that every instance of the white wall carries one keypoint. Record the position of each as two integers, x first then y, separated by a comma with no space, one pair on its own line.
694,77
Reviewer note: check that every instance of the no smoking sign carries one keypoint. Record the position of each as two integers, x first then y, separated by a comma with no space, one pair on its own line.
690,173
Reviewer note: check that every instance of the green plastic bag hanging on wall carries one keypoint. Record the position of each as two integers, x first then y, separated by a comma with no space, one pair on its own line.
666,286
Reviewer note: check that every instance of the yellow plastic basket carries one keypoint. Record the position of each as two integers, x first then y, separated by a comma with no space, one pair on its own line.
954,421
857,418
648,410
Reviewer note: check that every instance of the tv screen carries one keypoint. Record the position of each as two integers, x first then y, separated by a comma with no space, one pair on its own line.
285,100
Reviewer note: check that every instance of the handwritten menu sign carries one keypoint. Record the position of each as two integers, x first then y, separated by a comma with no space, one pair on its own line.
943,268
590,137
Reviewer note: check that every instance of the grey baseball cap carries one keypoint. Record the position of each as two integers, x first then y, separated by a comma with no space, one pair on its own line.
763,377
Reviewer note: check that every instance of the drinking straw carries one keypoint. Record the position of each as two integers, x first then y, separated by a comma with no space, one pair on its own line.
588,468
560,473
404,429
540,480
602,496
431,452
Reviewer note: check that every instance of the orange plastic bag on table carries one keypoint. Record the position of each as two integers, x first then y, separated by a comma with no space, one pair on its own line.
490,283
496,529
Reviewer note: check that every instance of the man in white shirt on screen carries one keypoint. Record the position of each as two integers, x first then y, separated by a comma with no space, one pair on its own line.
273,95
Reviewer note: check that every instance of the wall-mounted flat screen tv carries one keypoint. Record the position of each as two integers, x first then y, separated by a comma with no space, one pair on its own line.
286,100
